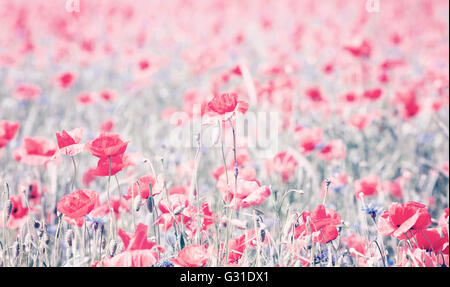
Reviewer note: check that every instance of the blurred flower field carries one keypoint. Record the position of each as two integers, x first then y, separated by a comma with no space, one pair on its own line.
278,133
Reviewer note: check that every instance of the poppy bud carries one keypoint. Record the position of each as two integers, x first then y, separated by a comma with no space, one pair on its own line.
28,240
103,243
112,247
263,235
69,237
9,207
150,204
16,249
137,203
37,224
182,244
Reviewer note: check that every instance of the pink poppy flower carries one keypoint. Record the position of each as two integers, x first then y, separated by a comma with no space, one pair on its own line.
107,145
108,95
144,186
323,224
18,216
27,92
373,94
8,131
109,166
333,150
131,258
283,164
77,204
85,98
65,80
192,256
403,217
35,151
368,186
363,50
249,192
393,188
226,105
236,248
360,121
107,126
309,139
69,142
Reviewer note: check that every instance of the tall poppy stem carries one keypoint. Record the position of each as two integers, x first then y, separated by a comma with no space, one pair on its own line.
74,173
111,218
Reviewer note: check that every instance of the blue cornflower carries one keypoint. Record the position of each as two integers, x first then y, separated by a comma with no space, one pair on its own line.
373,209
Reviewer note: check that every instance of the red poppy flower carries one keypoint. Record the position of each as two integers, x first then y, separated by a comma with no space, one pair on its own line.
132,258
249,192
360,121
443,224
417,258
407,104
403,217
27,92
357,243
18,216
118,163
33,190
65,80
333,150
226,105
236,248
369,186
138,240
323,224
77,204
284,164
394,188
36,151
373,94
144,187
69,142
118,205
86,98
107,145
192,256
429,240
108,95
8,131
89,176
363,50
308,139
178,198
315,95
107,126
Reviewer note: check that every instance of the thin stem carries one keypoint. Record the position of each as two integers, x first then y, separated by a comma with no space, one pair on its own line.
74,173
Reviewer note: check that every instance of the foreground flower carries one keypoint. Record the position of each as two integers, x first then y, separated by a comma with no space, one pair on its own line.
322,223
8,131
403,217
77,204
132,258
192,256
107,145
69,142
